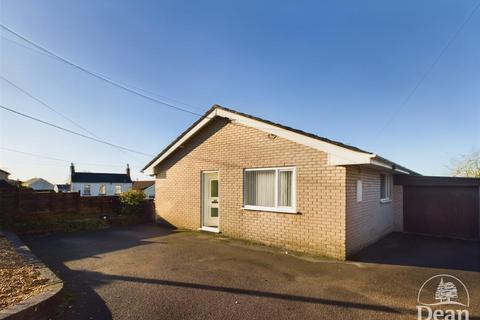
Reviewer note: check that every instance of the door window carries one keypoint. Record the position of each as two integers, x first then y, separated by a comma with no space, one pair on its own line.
214,188
214,212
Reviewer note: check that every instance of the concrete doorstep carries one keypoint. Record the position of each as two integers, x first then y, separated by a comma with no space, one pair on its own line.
39,305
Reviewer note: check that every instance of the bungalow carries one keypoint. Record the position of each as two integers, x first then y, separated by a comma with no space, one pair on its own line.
99,184
39,185
253,179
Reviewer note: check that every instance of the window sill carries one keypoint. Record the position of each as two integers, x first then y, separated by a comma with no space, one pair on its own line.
385,200
268,209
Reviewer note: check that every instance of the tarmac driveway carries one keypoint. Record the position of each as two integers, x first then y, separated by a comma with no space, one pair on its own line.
152,272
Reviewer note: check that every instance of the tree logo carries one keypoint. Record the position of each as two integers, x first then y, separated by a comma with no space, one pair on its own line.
446,291
438,294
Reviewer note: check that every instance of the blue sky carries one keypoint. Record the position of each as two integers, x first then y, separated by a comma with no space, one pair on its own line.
339,69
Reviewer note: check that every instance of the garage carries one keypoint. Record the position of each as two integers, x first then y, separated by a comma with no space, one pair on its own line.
441,206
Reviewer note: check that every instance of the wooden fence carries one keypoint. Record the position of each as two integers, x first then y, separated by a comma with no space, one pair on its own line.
27,202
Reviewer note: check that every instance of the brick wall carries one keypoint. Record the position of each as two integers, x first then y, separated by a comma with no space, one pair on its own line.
319,228
368,220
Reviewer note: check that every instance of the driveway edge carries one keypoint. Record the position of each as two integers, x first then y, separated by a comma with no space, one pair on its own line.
40,304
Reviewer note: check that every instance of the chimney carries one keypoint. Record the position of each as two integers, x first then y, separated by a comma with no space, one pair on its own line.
72,169
128,170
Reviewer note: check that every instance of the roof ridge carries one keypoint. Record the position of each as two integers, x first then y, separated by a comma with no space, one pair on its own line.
76,172
274,124
99,177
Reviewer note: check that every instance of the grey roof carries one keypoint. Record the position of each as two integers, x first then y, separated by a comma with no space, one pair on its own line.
100,177
143,184
30,181
311,135
33,180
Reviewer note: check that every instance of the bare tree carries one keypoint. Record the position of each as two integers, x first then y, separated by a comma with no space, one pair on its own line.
466,165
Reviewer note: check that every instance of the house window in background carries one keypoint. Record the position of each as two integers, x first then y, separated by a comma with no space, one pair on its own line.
102,190
118,189
271,189
86,190
385,187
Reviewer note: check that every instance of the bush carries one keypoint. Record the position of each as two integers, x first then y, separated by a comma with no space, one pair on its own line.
132,201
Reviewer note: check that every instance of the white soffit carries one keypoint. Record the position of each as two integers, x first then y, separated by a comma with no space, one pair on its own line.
337,155
190,133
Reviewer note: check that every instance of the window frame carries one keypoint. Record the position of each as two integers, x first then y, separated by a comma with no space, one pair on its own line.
115,189
89,190
359,190
277,207
388,188
100,189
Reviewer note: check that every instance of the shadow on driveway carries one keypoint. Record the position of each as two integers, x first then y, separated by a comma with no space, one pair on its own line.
88,244
423,251
99,279
80,300
153,272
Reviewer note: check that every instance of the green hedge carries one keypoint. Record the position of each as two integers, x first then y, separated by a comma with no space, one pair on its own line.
37,224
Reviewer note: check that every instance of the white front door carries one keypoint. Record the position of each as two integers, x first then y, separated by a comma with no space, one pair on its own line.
210,198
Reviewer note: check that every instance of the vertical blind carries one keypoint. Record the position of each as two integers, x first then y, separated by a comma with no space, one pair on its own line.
385,186
261,185
383,193
285,188
260,188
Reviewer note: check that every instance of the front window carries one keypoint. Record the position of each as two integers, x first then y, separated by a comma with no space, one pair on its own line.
385,187
118,189
271,189
86,190
102,190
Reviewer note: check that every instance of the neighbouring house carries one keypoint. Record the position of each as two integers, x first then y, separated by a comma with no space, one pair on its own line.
253,179
147,186
61,188
6,183
39,185
99,184
4,175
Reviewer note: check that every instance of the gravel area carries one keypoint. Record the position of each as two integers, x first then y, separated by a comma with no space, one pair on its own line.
18,280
